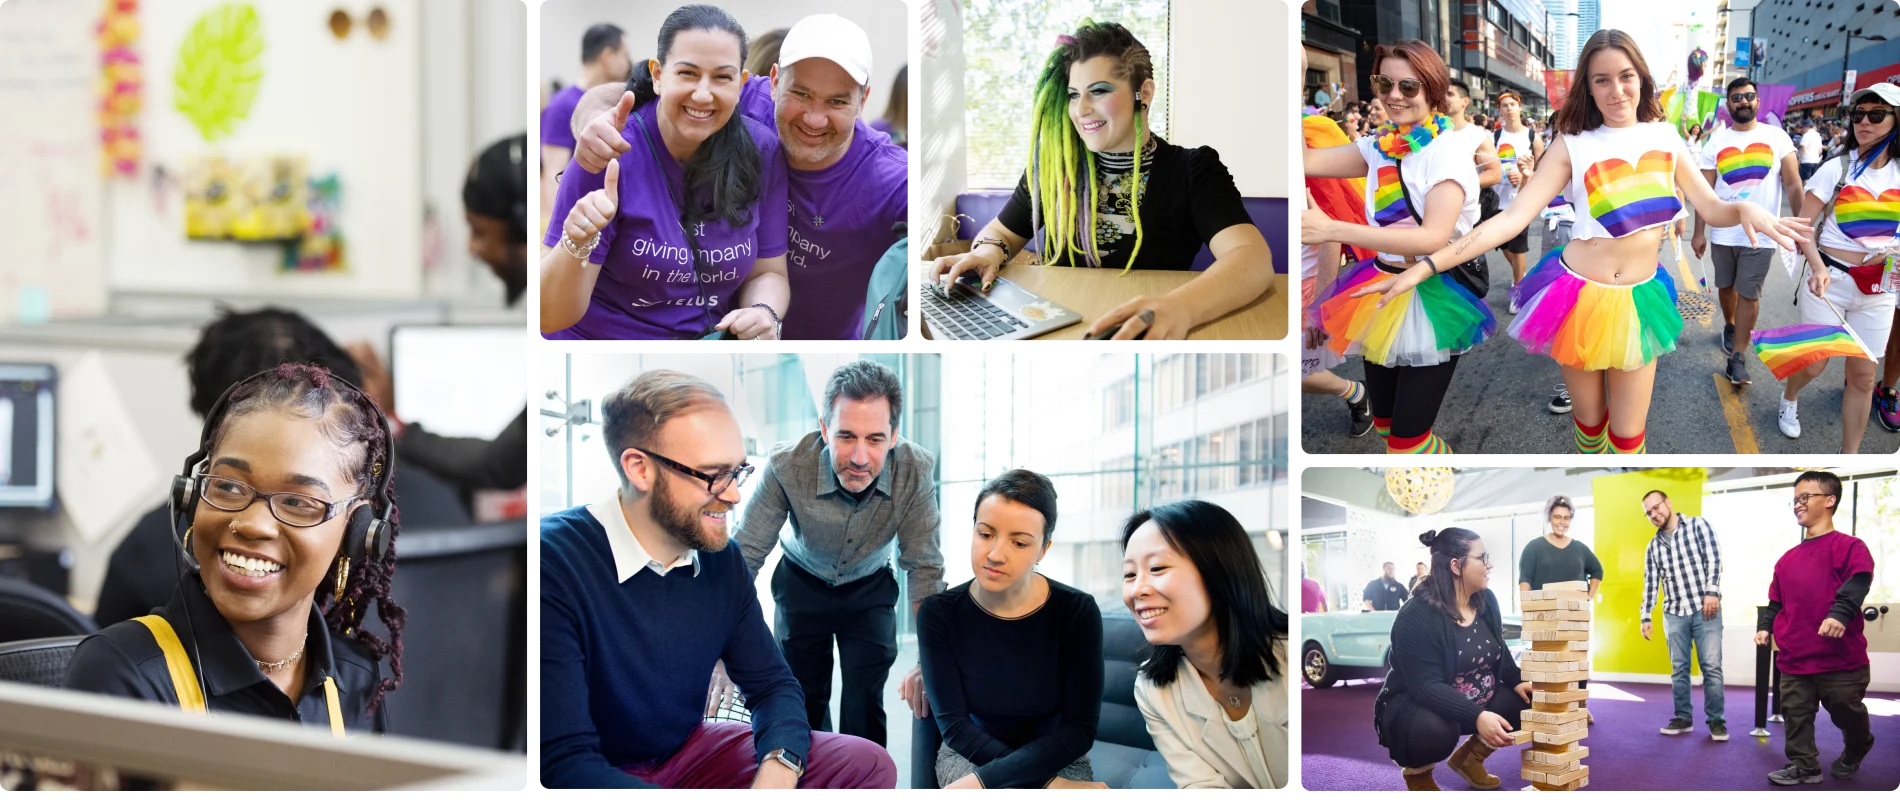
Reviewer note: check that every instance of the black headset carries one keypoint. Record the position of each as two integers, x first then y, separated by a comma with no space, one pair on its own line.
368,533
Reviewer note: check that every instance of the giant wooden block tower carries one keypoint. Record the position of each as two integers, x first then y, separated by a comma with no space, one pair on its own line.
1557,624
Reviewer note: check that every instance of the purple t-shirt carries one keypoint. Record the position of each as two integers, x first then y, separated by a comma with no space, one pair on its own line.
1312,597
557,121
1805,581
841,219
647,289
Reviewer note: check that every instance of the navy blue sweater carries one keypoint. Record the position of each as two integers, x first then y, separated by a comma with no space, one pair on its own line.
625,666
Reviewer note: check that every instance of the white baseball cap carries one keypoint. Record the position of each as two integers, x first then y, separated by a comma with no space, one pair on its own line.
1888,94
829,36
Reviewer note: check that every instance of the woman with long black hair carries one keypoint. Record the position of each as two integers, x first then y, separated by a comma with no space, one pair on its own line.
1213,687
692,243
1452,673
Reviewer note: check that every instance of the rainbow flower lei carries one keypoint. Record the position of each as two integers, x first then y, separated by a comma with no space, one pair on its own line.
1398,144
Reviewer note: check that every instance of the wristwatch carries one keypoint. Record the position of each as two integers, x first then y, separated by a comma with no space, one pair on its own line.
789,759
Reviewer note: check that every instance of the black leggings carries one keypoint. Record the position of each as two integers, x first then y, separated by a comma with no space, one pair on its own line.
1422,388
1417,736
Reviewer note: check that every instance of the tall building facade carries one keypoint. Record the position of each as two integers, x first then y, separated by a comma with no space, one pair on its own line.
1589,21
1804,44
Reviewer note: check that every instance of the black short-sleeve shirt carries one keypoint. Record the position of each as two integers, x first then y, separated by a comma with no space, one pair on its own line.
1188,198
125,660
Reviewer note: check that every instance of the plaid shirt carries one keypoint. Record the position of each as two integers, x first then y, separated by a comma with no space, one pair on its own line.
1686,565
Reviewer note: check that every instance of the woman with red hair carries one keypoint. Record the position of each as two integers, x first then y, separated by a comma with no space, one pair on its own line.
1421,191
1602,306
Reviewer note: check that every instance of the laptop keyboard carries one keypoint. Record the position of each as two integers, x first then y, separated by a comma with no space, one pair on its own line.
965,314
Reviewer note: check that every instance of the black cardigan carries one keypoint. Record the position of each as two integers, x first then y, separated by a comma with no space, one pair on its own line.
1424,651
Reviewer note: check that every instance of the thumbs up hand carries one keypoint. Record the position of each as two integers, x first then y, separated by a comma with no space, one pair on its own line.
599,142
595,210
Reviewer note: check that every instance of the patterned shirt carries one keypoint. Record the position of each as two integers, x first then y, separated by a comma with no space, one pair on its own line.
1685,565
1476,676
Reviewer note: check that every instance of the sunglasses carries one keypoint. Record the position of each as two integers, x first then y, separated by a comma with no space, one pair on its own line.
1741,97
1875,116
1409,87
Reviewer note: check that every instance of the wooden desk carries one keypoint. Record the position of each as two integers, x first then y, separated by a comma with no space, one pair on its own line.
1095,291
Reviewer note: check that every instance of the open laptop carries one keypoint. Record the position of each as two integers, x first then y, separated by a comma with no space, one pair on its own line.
1007,313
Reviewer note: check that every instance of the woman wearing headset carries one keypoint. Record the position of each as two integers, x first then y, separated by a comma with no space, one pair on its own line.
289,502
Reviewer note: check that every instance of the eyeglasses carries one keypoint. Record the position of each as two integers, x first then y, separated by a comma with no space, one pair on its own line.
1874,116
716,484
1484,557
1409,87
1802,499
295,510
1741,97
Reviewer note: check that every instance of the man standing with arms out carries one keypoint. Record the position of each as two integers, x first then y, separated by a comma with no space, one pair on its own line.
850,489
604,60
1518,148
639,598
1312,596
848,183
1811,147
1755,162
1685,564
1385,593
1813,612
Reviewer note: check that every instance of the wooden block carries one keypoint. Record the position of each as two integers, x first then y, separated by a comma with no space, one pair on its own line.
1539,696
1554,605
1558,645
1520,737
1576,785
1549,770
1555,625
1557,678
1555,667
1566,777
1574,586
1576,753
1547,734
1556,655
1556,614
1535,716
1548,593
1540,706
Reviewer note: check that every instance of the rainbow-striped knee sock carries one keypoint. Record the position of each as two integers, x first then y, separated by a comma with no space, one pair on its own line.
1427,444
1590,439
1634,445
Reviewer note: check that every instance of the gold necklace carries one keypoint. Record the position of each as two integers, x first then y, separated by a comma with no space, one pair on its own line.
272,667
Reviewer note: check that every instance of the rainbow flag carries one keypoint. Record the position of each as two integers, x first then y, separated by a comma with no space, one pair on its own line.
1786,350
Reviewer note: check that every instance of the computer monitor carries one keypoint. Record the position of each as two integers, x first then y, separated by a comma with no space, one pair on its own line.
459,380
26,435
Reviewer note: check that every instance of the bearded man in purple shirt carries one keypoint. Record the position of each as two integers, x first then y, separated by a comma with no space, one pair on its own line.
848,184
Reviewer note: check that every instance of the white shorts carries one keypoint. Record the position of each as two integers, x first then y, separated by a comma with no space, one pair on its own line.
1870,316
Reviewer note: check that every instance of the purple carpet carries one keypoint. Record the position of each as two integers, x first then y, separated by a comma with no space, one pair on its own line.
1627,752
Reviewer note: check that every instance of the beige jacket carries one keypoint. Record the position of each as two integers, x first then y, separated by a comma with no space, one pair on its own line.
1190,731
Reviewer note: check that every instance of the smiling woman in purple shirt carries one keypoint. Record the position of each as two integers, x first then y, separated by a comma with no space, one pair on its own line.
684,235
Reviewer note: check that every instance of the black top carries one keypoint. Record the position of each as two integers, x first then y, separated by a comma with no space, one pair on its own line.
1475,675
1386,595
1187,198
1545,563
144,567
125,660
1018,698
1425,645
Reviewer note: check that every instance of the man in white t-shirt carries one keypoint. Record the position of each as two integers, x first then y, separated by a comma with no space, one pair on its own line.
1754,162
1486,156
1515,142
1810,149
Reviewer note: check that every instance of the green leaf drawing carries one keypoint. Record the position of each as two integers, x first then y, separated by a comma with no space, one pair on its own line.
220,65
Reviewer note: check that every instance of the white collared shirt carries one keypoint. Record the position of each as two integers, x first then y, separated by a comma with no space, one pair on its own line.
629,556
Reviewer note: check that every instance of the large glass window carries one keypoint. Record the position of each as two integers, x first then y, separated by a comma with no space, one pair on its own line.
1005,44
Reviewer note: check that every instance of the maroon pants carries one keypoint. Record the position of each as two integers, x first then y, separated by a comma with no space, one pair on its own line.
720,756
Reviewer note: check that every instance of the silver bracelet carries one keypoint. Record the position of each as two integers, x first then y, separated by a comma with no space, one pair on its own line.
579,252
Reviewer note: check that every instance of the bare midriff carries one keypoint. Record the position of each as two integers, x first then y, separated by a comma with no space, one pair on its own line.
1627,260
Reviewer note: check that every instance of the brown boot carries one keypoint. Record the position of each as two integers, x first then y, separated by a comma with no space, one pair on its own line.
1468,761
1422,780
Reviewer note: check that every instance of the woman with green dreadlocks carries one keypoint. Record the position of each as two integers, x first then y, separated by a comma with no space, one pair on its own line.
1105,192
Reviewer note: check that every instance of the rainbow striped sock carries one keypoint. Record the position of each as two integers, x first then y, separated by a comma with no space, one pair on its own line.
1590,440
1427,444
1384,428
1634,445
1355,391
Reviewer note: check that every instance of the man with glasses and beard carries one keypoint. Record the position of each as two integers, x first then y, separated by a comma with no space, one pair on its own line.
1684,563
850,489
1755,162
639,599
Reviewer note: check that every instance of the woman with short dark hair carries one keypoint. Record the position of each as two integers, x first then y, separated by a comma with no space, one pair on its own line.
1213,688
1012,660
1452,672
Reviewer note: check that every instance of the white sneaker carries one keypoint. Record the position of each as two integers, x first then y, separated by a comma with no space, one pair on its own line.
1513,306
1790,420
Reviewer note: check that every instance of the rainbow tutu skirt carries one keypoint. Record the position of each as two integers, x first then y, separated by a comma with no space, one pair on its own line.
1588,325
1424,326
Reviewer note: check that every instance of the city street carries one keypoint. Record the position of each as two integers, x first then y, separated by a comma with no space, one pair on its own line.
1497,400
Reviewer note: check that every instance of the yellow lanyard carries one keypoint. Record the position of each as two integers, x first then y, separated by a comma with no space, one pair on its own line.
185,679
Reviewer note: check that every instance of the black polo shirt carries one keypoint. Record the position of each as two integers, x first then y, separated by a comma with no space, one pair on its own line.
125,660
1386,595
